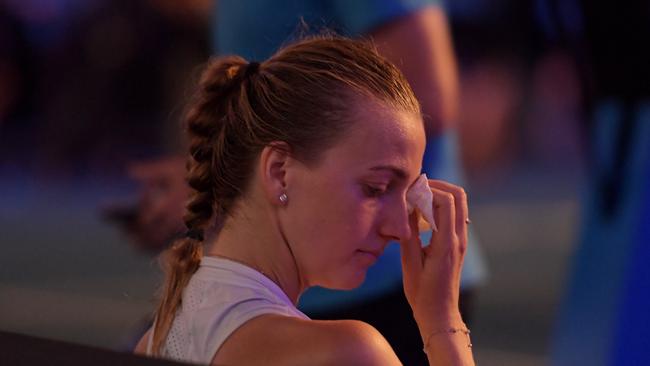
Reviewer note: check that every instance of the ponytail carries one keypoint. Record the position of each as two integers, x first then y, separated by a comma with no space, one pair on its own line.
182,259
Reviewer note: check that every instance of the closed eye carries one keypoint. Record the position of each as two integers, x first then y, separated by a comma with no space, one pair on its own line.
372,191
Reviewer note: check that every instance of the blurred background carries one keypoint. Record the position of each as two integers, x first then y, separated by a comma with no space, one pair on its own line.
89,88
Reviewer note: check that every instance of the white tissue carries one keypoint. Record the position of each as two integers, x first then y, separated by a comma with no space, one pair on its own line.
419,196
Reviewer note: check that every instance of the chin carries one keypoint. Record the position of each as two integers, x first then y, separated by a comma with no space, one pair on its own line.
350,282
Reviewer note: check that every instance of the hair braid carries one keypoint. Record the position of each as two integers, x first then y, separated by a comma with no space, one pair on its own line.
205,130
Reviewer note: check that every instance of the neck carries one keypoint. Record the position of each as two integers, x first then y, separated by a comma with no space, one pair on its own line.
255,238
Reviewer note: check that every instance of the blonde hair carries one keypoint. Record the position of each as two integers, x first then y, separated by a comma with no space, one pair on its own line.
300,96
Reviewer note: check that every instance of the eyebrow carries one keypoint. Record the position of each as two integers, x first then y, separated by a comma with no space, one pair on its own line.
398,172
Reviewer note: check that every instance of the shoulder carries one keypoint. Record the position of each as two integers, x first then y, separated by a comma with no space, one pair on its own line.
352,342
291,341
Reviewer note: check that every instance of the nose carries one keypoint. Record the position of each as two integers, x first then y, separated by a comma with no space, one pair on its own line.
395,220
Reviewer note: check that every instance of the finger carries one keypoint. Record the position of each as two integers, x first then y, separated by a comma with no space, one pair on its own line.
461,206
444,211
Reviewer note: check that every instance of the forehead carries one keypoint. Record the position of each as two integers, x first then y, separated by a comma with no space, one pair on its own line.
381,135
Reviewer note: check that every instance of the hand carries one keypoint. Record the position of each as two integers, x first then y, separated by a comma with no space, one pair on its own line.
431,275
161,202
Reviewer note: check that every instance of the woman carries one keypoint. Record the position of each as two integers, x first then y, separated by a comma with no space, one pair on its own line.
300,167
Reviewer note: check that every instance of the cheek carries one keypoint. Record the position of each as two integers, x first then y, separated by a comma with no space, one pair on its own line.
335,216
351,212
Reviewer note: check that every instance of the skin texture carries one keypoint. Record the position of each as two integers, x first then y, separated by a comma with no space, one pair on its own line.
359,197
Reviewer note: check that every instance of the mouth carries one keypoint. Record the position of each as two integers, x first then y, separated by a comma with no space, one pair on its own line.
374,253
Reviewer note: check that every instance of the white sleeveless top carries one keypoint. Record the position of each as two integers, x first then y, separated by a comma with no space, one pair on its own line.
220,297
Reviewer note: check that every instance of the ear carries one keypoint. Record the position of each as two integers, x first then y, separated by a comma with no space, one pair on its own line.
273,164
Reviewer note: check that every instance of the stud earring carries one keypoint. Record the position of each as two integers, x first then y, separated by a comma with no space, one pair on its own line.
283,198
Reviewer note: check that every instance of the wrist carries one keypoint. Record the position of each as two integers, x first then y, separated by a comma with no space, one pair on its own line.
429,323
444,336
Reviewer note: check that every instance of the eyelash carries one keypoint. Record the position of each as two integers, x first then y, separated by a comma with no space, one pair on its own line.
373,192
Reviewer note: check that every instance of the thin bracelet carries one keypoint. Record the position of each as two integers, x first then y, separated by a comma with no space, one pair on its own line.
464,330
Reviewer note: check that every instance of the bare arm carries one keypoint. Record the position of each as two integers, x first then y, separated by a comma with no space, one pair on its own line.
420,45
431,277
280,340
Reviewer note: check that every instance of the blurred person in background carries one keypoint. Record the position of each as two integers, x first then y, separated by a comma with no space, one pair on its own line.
85,88
604,315
94,93
415,36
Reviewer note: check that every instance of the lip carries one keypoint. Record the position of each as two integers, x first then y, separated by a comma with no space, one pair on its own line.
374,253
